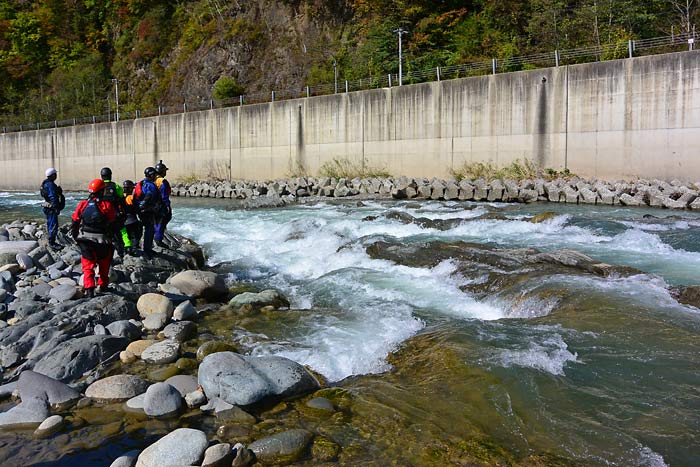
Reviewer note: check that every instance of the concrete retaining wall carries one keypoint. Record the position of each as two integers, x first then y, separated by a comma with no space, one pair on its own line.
620,119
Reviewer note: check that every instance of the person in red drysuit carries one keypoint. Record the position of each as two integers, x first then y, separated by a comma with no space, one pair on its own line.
93,222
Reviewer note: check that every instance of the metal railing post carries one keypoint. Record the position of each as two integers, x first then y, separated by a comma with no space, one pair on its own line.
240,99
630,47
184,107
556,58
211,104
273,96
308,92
346,87
493,66
389,79
159,110
437,73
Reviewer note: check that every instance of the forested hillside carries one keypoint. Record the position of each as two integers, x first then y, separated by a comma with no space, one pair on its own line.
58,58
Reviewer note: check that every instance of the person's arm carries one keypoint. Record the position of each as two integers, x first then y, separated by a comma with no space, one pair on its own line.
52,195
165,193
75,225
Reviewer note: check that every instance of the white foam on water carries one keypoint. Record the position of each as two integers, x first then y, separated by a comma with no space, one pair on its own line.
645,457
549,354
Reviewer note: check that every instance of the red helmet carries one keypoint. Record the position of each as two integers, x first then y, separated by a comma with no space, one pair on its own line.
96,185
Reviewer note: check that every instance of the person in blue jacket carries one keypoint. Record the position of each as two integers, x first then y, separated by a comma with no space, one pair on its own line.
166,212
150,205
54,202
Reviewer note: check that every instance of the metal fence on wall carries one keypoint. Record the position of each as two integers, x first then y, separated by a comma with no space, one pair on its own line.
618,50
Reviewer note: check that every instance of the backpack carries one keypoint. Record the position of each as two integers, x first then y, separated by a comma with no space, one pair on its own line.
61,199
110,193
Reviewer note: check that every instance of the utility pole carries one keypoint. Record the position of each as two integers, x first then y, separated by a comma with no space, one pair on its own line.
400,31
335,64
116,97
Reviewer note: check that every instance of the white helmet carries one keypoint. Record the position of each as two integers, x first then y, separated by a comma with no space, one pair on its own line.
50,171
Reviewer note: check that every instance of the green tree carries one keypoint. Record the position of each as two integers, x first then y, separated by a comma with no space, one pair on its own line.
226,88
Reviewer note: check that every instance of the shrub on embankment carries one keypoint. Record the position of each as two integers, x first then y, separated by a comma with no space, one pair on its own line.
654,193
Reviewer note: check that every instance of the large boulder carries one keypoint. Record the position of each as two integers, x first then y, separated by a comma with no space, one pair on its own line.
205,284
165,351
116,388
35,385
29,413
72,358
242,380
184,446
10,250
269,297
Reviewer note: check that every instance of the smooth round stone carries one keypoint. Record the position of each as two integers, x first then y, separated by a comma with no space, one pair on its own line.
286,446
48,427
161,352
137,347
219,455
183,383
184,446
25,261
116,388
126,460
186,363
180,331
195,399
127,357
184,311
63,293
135,404
155,321
154,303
196,283
161,400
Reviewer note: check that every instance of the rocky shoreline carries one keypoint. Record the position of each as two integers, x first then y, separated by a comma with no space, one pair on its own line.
652,193
63,354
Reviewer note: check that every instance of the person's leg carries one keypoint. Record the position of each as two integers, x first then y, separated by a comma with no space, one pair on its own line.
88,275
103,263
51,224
148,234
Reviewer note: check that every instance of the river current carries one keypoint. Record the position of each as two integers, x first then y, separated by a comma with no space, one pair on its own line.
405,305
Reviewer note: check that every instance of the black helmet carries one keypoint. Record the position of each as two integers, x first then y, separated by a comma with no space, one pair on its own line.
128,184
161,168
150,172
106,173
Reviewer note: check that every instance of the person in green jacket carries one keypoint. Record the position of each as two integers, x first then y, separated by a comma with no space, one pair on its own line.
113,193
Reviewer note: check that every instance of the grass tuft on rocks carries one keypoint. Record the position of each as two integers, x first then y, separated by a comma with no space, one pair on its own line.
516,170
345,168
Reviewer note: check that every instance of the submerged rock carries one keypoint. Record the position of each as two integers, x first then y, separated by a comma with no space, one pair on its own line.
287,446
35,385
30,412
268,297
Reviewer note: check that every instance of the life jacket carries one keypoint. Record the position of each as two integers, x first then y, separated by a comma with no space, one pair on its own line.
138,190
110,193
60,199
94,220
150,203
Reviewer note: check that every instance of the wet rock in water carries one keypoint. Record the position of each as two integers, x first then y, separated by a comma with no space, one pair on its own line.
153,303
30,412
71,359
186,363
124,328
205,284
116,388
219,455
183,383
243,457
35,385
180,331
184,446
268,297
211,347
231,413
242,380
689,295
321,403
126,460
137,347
127,357
162,352
195,399
63,293
50,426
162,400
543,216
135,404
184,311
324,449
287,446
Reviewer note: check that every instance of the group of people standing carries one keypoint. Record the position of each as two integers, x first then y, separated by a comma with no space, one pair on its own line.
112,217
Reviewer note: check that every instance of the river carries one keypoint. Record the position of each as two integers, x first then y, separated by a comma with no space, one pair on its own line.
455,340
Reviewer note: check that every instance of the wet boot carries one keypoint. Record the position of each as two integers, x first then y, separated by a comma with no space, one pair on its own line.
90,293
